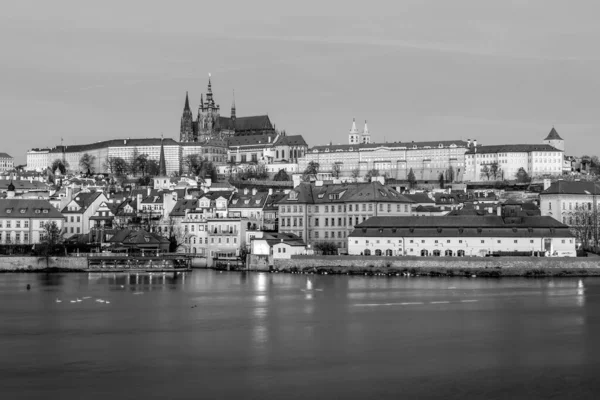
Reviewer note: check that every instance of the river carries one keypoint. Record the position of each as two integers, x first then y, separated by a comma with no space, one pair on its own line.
211,335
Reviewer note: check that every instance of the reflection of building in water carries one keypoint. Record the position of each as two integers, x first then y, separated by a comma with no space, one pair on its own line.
139,282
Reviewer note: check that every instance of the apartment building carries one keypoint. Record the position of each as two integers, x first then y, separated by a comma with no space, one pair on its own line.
79,210
22,220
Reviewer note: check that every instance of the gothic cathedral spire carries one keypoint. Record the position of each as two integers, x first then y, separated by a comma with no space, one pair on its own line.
186,130
162,165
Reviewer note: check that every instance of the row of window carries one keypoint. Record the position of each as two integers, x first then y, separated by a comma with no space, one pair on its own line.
327,235
344,207
14,237
17,223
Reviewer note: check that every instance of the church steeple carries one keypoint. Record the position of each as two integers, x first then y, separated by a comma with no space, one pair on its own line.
162,165
186,130
353,137
233,108
365,137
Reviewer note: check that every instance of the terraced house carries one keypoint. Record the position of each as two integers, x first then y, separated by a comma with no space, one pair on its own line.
79,210
318,212
22,220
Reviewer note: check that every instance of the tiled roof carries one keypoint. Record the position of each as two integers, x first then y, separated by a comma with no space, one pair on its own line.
287,238
510,148
241,200
22,185
182,205
573,187
83,200
459,222
294,140
419,197
252,123
251,140
27,208
392,145
138,237
307,193
553,135
4,155
113,143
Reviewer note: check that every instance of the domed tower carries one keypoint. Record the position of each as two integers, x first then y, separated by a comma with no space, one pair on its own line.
365,136
186,130
353,137
554,140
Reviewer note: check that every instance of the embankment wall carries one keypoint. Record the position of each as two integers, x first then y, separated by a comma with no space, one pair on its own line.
24,263
487,266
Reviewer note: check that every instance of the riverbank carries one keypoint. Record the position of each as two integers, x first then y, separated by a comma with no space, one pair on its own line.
439,266
82,264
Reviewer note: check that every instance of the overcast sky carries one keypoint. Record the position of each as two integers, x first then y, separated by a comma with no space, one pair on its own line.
499,71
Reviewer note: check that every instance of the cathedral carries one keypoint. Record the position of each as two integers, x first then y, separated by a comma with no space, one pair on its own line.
209,123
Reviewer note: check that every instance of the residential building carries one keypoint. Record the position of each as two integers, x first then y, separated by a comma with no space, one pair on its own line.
79,210
226,236
566,200
318,212
249,204
461,236
22,220
7,163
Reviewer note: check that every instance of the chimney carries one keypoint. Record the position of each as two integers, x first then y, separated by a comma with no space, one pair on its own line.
270,191
139,202
245,191
254,191
125,141
148,190
468,143
269,139
474,142
491,210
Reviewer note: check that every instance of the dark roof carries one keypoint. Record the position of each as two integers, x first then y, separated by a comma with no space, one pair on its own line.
309,193
113,143
294,140
273,238
182,205
553,135
418,197
4,155
27,208
573,187
252,123
429,209
83,200
391,145
490,221
510,148
251,140
23,184
241,200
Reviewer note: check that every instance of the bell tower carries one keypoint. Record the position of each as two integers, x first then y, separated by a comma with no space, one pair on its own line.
353,137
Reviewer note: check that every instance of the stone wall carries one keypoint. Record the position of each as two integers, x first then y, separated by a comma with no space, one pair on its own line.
41,263
467,266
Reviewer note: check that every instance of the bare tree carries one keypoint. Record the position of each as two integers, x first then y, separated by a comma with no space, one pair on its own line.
355,173
485,172
495,170
336,169
86,162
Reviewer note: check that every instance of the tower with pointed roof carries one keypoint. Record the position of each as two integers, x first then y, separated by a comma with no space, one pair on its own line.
162,165
353,137
208,116
186,131
233,110
554,140
365,137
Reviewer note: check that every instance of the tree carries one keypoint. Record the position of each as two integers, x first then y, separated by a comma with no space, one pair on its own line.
441,180
51,239
60,165
152,168
355,173
86,162
336,169
327,248
281,176
495,170
117,166
371,174
311,169
140,164
193,163
411,178
144,180
522,176
450,174
485,172
585,224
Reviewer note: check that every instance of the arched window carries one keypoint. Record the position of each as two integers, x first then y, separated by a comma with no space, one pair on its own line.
460,253
367,252
436,253
378,252
389,252
448,253
424,253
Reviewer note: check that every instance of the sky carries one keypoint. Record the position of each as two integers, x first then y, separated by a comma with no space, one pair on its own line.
496,71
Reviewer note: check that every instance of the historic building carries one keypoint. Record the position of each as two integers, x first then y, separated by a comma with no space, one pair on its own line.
210,124
328,213
6,162
22,221
500,162
461,236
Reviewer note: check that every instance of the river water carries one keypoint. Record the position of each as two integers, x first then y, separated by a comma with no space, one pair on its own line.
211,335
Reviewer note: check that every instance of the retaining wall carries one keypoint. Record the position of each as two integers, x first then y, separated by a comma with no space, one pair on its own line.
25,263
446,266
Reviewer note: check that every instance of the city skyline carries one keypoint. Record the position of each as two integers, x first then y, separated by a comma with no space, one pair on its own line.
424,71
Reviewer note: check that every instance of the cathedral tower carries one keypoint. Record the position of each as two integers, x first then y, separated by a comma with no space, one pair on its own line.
186,130
208,116
353,137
